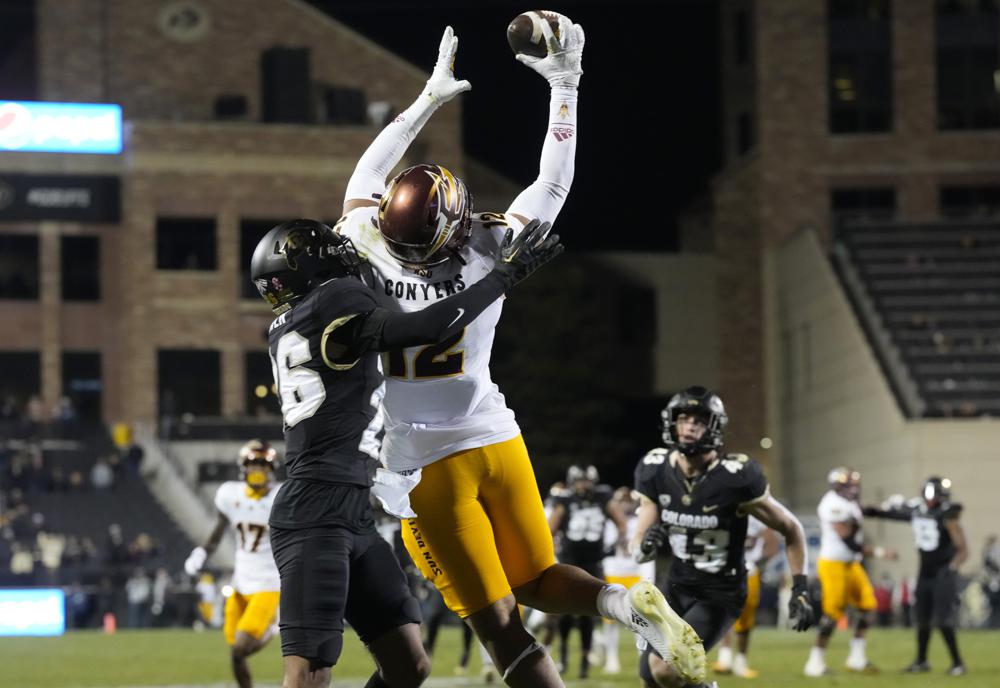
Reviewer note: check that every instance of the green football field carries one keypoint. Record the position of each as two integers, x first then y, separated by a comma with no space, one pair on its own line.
178,659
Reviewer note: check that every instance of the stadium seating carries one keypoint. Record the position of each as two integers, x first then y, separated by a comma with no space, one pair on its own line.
936,289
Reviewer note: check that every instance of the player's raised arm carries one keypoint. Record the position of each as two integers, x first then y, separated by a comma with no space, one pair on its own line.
196,560
562,68
368,180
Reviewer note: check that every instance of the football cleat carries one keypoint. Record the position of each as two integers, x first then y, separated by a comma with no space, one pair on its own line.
917,668
868,669
816,669
957,670
671,636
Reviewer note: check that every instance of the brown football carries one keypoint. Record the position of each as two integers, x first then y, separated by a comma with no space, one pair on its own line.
525,33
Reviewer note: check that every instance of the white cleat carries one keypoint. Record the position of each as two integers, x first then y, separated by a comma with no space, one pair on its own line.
670,635
816,669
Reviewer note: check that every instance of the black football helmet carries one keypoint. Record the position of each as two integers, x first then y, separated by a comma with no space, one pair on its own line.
937,491
296,256
424,216
700,402
256,460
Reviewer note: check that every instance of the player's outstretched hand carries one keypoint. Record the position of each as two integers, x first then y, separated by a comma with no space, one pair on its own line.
195,560
563,65
800,608
442,86
533,248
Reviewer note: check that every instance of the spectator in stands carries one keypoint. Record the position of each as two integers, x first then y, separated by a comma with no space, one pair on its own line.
22,564
161,590
133,459
139,591
101,475
79,606
9,410
64,411
35,415
50,548
883,600
75,482
143,548
116,553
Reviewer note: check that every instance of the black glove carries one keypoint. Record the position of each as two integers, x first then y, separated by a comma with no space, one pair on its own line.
800,608
653,540
529,251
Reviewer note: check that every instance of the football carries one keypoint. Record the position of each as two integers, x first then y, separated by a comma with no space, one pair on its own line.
525,32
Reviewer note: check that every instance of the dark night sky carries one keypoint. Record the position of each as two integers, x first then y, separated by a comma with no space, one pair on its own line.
649,102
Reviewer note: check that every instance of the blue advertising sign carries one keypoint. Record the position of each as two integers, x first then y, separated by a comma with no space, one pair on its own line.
32,611
60,127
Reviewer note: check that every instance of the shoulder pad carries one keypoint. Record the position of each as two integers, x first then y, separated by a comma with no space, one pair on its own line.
655,456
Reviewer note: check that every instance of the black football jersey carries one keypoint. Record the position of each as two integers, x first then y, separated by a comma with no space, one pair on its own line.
706,527
582,526
327,405
932,537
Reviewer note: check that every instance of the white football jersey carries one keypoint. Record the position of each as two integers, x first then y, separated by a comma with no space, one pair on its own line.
836,509
254,569
755,540
439,399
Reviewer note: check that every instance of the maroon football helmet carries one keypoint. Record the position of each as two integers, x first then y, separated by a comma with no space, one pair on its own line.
425,216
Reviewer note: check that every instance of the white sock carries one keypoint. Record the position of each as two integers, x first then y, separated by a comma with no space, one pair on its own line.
611,643
612,603
726,657
857,654
817,655
740,664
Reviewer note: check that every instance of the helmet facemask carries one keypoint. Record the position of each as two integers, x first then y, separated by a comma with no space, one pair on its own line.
702,404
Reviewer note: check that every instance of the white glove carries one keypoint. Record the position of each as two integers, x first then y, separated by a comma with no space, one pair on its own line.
195,560
442,86
564,63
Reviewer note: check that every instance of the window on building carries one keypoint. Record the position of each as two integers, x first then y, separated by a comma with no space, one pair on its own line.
81,383
968,57
741,37
863,204
261,399
18,50
251,232
19,266
859,34
20,380
745,135
81,268
970,201
185,243
189,381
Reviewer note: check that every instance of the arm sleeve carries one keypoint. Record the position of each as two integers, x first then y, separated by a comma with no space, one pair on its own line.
368,180
380,330
544,198
902,514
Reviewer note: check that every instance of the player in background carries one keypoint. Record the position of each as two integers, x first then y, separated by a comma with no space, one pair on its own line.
941,544
579,519
842,577
324,343
695,499
477,527
619,567
245,505
761,544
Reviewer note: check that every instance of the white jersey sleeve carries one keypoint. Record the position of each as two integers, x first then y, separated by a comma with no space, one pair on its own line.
254,569
836,509
755,542
439,399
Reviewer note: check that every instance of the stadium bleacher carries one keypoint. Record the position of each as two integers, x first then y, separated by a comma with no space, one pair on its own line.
935,287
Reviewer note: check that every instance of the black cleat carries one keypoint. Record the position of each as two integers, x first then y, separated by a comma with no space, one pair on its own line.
917,668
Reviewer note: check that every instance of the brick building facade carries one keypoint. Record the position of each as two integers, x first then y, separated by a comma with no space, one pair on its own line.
166,63
839,107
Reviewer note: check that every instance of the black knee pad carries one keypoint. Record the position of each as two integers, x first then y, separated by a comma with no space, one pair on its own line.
864,620
826,626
